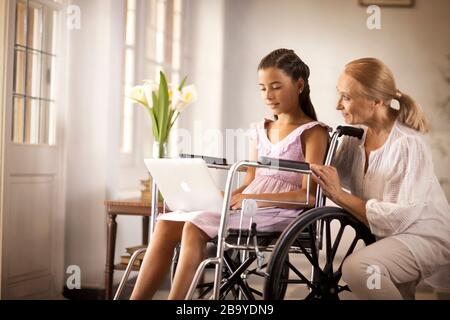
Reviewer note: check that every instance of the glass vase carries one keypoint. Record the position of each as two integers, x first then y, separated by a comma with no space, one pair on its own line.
159,150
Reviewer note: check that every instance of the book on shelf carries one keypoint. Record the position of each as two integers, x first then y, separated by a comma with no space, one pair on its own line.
131,250
126,259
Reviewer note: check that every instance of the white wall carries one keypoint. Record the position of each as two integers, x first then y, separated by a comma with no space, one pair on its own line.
93,166
327,34
205,68
92,135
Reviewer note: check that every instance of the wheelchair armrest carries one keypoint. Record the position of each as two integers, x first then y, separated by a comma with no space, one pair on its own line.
208,160
284,164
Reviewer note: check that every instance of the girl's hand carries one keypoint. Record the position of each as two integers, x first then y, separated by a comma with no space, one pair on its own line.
328,179
236,201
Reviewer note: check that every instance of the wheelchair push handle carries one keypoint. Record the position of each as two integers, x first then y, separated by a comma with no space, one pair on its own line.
208,160
350,131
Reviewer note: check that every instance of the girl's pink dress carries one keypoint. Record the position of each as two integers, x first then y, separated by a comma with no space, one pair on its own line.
266,181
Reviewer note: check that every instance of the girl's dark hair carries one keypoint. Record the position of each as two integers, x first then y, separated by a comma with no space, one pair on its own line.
294,67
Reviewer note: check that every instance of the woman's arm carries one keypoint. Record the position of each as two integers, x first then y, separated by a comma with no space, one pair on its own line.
315,142
328,178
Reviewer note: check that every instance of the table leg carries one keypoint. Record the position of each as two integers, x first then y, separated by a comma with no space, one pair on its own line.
145,226
111,247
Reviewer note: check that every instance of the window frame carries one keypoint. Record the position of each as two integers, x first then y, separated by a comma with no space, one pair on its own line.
141,145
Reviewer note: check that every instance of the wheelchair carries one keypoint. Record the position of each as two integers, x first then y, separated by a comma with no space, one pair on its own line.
305,259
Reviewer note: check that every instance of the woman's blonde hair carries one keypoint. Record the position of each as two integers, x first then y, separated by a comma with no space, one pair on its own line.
378,83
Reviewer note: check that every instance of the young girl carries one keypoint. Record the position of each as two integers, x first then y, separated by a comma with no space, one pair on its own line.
294,135
393,187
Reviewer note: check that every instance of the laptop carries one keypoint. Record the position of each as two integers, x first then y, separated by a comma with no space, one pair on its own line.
186,184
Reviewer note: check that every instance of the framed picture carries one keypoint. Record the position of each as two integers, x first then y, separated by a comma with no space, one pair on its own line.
387,3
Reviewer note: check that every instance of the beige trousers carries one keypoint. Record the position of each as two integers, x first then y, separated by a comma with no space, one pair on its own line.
384,270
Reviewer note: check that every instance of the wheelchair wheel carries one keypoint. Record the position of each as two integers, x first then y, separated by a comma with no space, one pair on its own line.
313,247
205,288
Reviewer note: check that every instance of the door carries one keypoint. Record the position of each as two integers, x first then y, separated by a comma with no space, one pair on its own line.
33,188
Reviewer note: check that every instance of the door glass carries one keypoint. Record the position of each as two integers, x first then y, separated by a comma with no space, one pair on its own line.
35,61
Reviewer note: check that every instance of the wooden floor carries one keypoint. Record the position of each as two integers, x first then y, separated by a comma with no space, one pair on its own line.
423,292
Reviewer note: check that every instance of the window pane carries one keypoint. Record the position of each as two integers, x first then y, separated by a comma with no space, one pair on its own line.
177,26
21,20
34,27
160,25
34,74
32,107
150,72
150,44
18,117
19,72
43,123
47,123
127,126
177,6
46,75
34,116
49,31
176,55
168,32
151,18
131,23
129,67
176,78
47,85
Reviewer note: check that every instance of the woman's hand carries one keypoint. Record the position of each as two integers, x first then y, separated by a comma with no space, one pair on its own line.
328,179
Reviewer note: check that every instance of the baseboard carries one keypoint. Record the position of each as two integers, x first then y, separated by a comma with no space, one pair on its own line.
98,293
84,294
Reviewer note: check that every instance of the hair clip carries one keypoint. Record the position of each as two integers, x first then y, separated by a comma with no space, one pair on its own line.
395,104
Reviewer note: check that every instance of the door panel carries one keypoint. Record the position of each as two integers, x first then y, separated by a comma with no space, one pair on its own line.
33,188
31,220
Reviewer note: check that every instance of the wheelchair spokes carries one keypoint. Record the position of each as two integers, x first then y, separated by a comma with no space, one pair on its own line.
316,272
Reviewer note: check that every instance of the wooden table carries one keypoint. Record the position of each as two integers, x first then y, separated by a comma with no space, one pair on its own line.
131,207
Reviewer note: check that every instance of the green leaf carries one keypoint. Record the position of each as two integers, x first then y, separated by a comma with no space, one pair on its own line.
163,107
154,122
173,121
155,114
169,123
180,87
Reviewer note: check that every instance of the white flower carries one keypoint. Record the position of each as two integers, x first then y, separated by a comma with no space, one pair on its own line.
137,95
149,88
163,102
184,98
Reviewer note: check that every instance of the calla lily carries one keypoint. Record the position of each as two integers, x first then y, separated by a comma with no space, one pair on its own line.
137,95
150,88
164,103
188,95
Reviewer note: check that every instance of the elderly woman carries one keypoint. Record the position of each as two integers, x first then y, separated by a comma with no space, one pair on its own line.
393,187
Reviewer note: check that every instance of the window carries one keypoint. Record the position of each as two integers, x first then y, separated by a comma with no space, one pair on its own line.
35,57
129,76
159,49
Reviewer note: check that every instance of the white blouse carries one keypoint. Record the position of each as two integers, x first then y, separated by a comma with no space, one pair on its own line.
404,198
